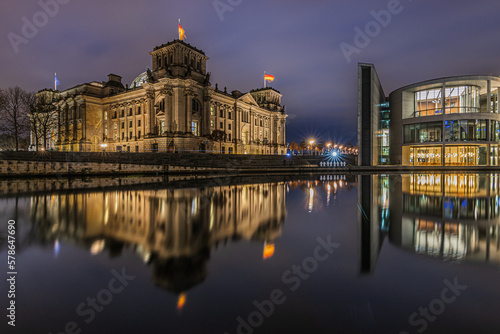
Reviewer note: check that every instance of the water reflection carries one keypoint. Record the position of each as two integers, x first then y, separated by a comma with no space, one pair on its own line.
451,216
174,230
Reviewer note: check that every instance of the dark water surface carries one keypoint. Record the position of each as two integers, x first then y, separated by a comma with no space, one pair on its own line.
396,254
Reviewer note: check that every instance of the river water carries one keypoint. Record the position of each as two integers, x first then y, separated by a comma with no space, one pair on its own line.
392,253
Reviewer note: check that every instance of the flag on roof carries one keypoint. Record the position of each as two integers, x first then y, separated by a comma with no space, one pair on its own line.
182,33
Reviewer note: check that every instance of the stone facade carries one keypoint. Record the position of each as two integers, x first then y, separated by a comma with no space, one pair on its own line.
171,108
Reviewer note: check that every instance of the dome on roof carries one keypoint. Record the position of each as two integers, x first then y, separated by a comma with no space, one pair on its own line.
141,78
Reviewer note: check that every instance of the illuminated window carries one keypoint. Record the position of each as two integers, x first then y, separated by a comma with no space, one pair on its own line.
195,128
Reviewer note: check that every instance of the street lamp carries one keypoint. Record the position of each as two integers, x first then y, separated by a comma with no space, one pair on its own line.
103,146
311,143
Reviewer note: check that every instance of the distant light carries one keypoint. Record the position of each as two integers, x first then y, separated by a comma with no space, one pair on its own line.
57,247
268,251
97,247
288,154
334,153
181,301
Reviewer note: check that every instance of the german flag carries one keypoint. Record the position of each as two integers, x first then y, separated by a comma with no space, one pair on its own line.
269,77
182,34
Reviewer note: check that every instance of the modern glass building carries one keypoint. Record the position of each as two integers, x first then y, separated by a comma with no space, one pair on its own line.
451,121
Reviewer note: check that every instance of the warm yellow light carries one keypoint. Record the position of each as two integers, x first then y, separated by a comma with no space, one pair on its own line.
97,247
311,142
328,145
268,251
181,301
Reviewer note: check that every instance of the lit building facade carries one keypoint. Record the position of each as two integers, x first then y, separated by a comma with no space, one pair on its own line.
172,107
451,121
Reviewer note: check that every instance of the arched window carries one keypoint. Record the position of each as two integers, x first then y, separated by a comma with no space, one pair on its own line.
195,105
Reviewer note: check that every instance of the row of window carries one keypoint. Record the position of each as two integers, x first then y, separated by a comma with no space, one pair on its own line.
169,59
456,130
245,117
130,137
131,124
122,113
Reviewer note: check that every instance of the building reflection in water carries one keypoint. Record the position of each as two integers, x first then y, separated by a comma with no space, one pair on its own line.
174,230
327,185
451,216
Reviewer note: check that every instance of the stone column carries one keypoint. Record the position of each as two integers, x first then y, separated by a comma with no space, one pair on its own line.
149,113
488,97
207,103
59,115
74,138
188,93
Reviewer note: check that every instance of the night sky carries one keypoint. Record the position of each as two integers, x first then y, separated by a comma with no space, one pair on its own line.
297,41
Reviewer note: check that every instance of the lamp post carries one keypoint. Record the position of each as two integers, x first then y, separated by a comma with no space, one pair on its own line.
311,143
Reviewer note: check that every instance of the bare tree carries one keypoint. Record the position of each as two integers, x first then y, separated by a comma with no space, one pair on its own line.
14,115
42,118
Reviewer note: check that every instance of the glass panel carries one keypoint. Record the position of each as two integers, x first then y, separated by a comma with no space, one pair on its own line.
494,131
461,99
428,102
466,155
493,155
425,156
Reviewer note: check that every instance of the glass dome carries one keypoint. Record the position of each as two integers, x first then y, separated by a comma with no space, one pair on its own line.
141,78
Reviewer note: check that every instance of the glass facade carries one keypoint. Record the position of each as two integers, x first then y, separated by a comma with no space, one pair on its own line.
423,133
454,155
428,103
425,155
465,130
466,155
460,99
494,102
383,133
494,131
494,155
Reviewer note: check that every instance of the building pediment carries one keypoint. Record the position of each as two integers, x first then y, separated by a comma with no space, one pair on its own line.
248,98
